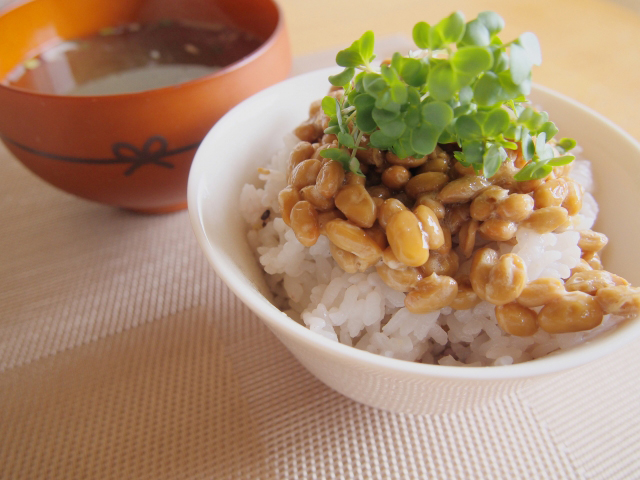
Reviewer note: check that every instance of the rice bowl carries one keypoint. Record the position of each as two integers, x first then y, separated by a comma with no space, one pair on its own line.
373,379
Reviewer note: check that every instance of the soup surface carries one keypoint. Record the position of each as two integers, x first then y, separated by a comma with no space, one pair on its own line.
133,58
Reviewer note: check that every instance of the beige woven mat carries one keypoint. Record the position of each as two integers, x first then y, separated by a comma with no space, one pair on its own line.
122,355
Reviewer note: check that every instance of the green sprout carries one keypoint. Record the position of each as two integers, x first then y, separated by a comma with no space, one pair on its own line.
463,85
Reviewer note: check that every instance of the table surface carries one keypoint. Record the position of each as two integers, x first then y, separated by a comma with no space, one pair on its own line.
122,355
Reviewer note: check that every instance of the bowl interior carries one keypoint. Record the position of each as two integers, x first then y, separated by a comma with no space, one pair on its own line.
242,141
30,27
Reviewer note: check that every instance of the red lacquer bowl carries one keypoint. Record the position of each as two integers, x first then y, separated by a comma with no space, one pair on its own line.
129,150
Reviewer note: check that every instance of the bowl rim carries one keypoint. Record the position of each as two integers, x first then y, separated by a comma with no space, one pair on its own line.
589,351
278,31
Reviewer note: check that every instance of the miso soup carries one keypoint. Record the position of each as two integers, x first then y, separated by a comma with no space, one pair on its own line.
133,57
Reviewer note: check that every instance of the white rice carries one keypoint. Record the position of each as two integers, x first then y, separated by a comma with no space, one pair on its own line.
359,310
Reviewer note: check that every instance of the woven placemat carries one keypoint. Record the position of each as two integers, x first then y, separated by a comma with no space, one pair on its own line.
122,355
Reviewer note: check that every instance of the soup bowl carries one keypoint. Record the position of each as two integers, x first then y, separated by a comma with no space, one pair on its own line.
246,137
131,150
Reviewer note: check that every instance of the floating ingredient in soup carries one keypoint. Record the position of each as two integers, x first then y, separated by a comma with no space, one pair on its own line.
134,58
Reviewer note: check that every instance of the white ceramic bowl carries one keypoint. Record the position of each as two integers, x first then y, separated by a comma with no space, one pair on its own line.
247,137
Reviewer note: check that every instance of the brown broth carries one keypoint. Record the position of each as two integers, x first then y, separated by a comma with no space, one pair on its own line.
133,58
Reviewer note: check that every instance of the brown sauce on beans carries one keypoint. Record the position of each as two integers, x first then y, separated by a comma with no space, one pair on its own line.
417,220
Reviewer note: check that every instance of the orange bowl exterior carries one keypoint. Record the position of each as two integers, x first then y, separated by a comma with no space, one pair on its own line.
131,150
